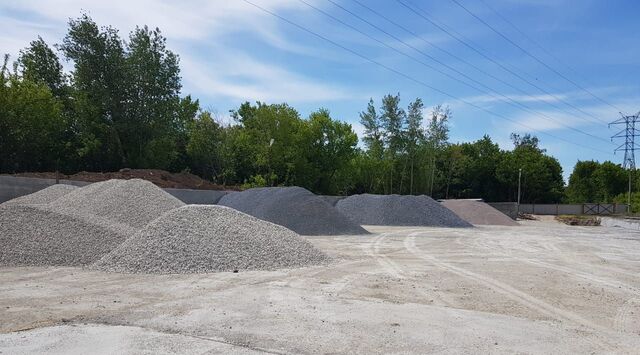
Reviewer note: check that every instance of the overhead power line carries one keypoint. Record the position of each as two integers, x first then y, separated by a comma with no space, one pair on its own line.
531,55
422,14
542,48
410,78
490,92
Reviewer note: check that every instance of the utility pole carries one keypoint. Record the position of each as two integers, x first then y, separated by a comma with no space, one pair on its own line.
629,146
519,185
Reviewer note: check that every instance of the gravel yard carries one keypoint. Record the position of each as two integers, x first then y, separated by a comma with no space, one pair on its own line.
540,287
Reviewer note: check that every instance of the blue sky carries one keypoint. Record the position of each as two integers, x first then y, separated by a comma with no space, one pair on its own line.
232,52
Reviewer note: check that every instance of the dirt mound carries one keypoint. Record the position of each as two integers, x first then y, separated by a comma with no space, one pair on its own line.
133,203
201,238
43,196
160,178
478,212
31,235
398,210
293,207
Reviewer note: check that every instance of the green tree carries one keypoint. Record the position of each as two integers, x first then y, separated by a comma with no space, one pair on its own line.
415,135
40,64
329,147
99,88
205,146
31,124
541,174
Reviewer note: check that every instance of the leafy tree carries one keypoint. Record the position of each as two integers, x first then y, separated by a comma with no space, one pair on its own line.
415,135
329,147
99,81
541,175
204,147
40,64
594,182
31,124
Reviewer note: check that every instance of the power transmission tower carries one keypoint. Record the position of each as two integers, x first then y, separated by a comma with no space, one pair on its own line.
629,133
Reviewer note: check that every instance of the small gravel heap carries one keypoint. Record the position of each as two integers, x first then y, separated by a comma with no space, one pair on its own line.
202,238
132,203
478,212
293,207
44,196
34,236
398,210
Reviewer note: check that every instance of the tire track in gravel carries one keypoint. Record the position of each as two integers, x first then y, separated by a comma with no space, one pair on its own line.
509,292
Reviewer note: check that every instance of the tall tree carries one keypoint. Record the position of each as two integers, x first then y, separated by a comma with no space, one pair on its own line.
152,91
39,63
437,137
99,81
394,122
414,134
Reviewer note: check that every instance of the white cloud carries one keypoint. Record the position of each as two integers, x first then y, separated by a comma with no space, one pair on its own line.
214,60
245,78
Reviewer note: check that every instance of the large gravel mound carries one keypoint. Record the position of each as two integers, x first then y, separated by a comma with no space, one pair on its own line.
43,196
201,238
398,210
33,236
293,207
478,212
133,203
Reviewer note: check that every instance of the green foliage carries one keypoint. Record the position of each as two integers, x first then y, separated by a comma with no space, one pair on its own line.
31,124
596,182
121,106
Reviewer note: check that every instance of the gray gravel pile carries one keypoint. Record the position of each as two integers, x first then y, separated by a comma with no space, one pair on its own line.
31,235
132,203
293,207
201,238
478,212
398,210
43,196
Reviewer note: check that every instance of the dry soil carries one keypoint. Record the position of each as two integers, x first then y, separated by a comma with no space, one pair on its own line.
541,287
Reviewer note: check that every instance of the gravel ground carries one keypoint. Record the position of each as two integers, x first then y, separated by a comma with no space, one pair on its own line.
201,238
398,210
34,236
133,202
43,196
478,212
293,207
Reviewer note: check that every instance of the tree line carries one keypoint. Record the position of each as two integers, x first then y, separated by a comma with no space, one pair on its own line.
121,106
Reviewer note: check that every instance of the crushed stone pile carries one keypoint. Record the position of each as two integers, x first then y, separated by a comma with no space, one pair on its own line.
34,236
293,207
44,196
478,212
132,203
398,210
210,238
81,226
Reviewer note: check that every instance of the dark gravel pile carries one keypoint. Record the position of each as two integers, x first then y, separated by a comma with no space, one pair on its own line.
34,236
293,207
478,212
201,238
132,203
44,196
398,210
